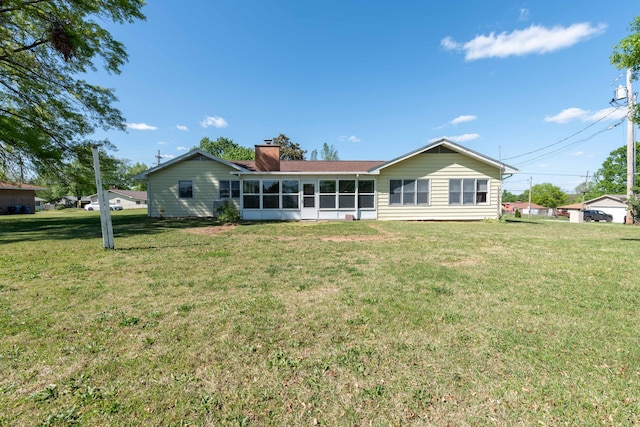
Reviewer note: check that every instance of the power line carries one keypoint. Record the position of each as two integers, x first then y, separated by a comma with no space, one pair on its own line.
573,143
566,138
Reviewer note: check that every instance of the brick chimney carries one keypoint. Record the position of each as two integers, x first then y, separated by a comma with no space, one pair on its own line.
267,156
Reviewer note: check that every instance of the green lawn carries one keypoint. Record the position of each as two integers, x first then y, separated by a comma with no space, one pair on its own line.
360,323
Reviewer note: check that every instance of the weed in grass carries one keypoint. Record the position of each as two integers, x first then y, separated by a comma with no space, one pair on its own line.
50,392
184,309
128,320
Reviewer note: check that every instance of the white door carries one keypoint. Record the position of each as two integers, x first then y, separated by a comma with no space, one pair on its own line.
309,209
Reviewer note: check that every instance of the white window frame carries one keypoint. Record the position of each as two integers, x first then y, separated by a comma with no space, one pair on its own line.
470,194
229,183
180,194
404,201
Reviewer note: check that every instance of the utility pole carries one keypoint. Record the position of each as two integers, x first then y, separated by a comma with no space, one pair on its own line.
105,214
530,188
158,157
631,147
584,190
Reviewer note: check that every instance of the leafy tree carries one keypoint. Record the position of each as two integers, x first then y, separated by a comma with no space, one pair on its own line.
314,155
611,178
329,152
225,148
509,197
626,54
288,149
547,195
47,111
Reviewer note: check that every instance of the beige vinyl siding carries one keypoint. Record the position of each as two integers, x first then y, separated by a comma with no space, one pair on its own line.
439,168
205,175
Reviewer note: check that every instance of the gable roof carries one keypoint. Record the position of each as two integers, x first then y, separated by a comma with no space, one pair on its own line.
191,154
440,146
141,195
615,197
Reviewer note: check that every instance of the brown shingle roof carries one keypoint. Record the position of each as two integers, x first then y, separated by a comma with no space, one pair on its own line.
349,166
10,186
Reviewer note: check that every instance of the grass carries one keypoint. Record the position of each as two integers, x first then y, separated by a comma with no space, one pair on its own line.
364,323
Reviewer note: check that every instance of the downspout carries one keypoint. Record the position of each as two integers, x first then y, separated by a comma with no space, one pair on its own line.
357,197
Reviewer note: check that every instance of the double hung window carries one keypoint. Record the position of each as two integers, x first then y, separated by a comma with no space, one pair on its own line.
468,191
408,192
229,189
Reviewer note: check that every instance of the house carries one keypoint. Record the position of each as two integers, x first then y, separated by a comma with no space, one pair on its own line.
612,204
125,198
524,207
440,181
18,198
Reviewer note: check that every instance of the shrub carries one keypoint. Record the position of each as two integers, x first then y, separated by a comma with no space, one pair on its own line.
518,214
228,213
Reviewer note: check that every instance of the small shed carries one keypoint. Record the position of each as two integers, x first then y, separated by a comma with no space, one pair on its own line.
18,198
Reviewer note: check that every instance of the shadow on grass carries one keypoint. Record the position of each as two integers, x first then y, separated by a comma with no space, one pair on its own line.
86,225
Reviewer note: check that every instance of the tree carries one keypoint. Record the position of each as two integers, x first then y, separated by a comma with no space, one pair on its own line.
225,148
547,195
626,54
288,149
47,111
508,197
329,152
611,178
314,155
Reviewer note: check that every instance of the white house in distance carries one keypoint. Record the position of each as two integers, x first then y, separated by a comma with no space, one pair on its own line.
440,181
612,204
126,198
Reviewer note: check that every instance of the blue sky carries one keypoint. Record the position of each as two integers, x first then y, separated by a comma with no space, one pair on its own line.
378,79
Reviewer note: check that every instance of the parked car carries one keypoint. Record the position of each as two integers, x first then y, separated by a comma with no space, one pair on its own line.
595,215
96,207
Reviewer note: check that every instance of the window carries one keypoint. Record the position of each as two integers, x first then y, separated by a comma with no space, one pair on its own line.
347,196
185,189
468,191
328,194
229,189
366,194
270,194
251,190
290,191
408,192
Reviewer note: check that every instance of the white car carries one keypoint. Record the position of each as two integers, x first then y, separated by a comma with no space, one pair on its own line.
94,206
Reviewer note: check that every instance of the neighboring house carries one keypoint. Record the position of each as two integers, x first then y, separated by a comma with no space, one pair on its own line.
440,181
126,198
614,205
524,207
39,203
18,198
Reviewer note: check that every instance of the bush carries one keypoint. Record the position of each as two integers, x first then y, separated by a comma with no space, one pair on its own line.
228,213
518,214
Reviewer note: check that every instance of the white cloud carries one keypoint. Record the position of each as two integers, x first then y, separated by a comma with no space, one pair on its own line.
573,113
351,138
182,127
458,138
141,126
181,148
214,121
462,119
524,15
161,143
167,156
535,39
581,154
